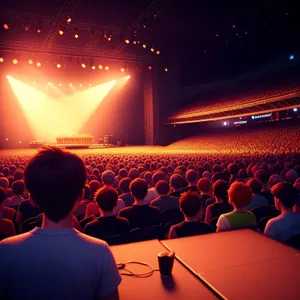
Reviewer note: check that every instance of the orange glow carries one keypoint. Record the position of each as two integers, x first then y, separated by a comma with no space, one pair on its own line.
100,67
48,117
166,70
134,42
152,49
33,82
109,38
144,46
80,84
93,67
5,26
127,41
83,65
38,64
76,36
90,84
106,68
15,61
60,84
30,61
1,59
157,52
68,20
61,32
150,67
122,70
58,66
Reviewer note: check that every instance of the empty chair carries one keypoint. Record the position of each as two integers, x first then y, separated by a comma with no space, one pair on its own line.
171,215
115,240
264,211
148,233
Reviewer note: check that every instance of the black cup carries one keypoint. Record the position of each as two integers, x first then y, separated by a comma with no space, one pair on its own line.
165,262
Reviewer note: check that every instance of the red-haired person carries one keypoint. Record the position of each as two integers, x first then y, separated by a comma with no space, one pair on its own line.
240,195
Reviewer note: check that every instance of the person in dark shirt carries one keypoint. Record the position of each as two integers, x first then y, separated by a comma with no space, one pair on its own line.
190,205
164,201
140,214
221,206
177,184
107,224
264,176
126,195
191,177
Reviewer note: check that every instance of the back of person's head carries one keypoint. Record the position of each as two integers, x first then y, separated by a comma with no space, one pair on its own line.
107,198
157,176
19,175
2,195
262,175
123,173
204,185
240,195
124,184
55,180
95,185
162,187
285,193
148,177
133,173
291,176
87,192
191,176
233,169
18,187
297,185
108,177
190,204
177,182
274,179
220,190
255,185
4,183
138,188
5,171
217,176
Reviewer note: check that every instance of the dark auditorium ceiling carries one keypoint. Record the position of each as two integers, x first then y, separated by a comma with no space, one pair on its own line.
209,39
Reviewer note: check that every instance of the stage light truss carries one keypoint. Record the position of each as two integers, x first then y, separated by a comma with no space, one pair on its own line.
283,102
155,8
67,10
24,47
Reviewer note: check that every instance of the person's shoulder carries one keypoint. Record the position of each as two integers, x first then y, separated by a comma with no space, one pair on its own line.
155,200
16,240
126,210
178,225
122,220
91,241
154,209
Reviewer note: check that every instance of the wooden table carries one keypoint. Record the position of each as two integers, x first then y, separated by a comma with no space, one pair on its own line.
183,284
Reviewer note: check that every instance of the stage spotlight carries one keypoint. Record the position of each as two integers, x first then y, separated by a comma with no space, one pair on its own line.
127,41
60,84
100,67
15,61
83,65
33,82
166,70
6,139
122,70
106,68
61,30
58,66
20,142
76,33
295,109
68,20
291,57
6,26
49,82
128,76
38,64
93,67
30,61
225,123
134,42
152,50
90,84
39,28
144,46
70,84
109,38
80,84
149,67
157,52
1,59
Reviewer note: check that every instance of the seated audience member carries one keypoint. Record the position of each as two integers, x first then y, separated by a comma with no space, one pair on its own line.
107,224
297,187
164,201
152,193
177,184
6,217
190,205
47,262
92,209
81,206
5,212
18,189
264,177
287,224
204,186
140,214
191,177
221,206
126,195
240,195
4,183
257,200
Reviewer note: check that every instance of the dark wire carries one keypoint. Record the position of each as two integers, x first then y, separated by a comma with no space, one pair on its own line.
122,266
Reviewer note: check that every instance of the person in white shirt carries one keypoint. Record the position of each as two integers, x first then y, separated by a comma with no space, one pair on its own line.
56,261
287,223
